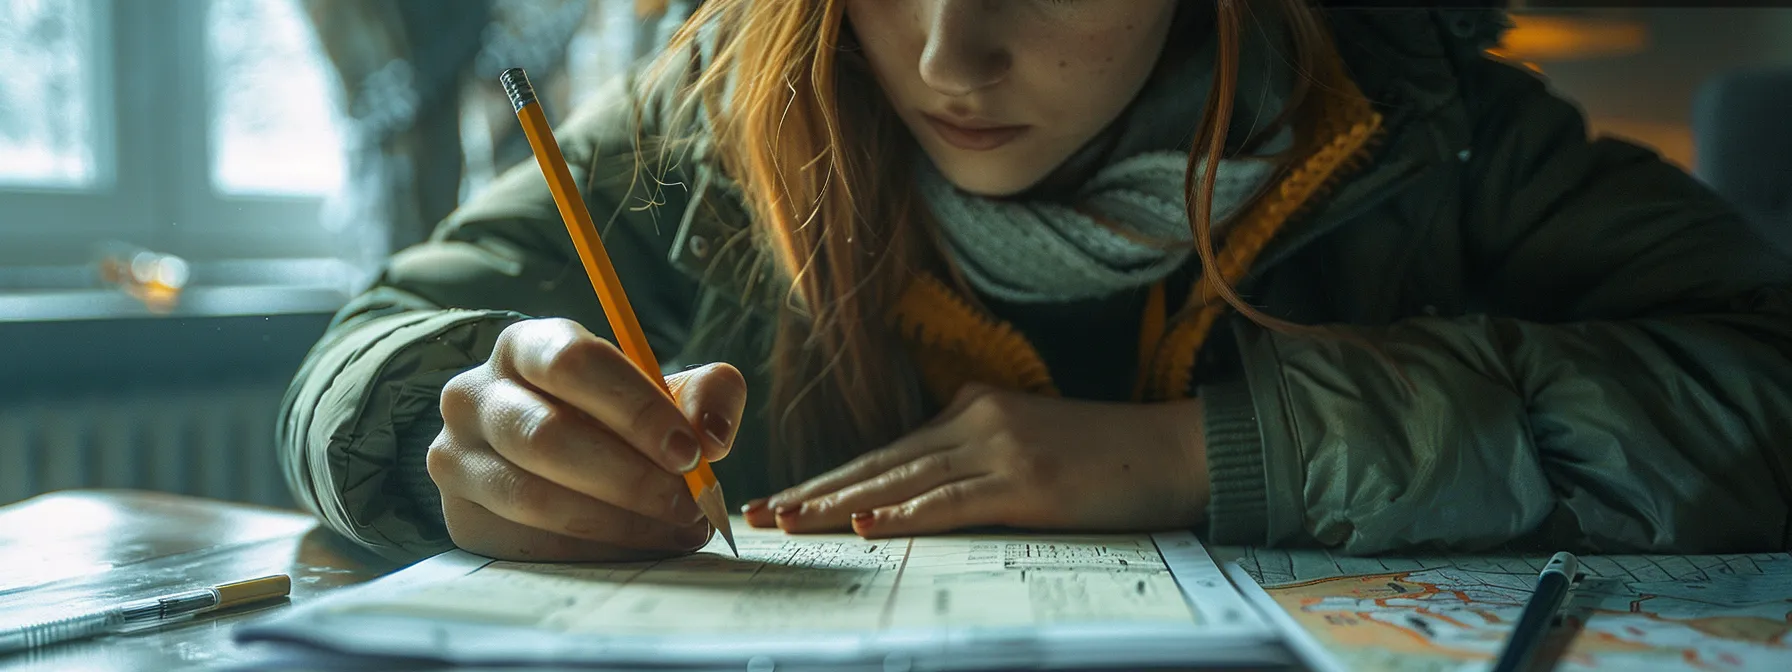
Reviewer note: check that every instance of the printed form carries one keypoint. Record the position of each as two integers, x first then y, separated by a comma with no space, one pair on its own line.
955,602
823,583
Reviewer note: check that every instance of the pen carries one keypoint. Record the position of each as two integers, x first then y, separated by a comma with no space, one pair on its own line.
701,480
152,611
1539,613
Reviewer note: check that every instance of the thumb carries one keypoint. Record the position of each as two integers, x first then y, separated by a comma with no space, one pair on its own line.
713,397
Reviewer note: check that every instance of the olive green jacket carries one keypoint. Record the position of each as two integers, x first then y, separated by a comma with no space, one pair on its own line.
1600,351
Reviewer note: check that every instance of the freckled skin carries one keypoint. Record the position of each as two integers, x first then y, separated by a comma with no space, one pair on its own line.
1065,70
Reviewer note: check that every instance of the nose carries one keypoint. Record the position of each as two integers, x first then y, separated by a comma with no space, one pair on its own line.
962,54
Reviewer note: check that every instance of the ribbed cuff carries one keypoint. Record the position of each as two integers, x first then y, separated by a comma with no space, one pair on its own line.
412,467
1238,512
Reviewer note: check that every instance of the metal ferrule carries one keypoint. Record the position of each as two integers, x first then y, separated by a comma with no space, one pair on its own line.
517,86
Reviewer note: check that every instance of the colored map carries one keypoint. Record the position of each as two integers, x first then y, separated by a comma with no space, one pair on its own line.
1716,612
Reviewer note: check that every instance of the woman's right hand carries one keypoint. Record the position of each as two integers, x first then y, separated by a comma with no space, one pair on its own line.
559,449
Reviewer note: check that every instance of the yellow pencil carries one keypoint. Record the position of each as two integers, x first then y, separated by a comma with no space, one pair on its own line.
702,481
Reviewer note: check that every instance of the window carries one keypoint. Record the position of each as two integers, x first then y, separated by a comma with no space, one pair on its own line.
203,129
263,106
46,99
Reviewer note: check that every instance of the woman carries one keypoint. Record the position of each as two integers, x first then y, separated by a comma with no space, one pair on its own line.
1296,276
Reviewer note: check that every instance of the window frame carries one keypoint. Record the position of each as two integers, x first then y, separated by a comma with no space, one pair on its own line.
250,254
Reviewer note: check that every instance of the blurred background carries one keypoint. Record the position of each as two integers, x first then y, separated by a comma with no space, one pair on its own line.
189,188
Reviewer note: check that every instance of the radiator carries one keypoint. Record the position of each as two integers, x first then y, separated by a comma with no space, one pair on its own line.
215,442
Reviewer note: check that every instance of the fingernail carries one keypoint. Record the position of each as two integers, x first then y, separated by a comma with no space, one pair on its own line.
682,448
753,506
862,520
788,511
716,426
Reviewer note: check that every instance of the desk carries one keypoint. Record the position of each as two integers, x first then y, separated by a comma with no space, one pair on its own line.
112,545
115,545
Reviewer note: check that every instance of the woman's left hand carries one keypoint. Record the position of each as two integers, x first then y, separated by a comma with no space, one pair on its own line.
1006,458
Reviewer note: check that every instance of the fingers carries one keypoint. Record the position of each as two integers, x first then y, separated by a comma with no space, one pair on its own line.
834,510
870,465
559,444
713,397
476,475
478,530
567,362
939,433
976,501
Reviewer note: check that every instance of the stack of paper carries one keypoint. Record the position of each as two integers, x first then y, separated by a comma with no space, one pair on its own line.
952,602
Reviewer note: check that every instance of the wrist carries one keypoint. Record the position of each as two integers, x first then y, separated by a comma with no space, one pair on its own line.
1184,425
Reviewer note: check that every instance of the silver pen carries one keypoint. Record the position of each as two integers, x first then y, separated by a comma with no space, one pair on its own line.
140,613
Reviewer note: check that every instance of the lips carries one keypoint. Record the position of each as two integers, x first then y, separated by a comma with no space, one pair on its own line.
976,136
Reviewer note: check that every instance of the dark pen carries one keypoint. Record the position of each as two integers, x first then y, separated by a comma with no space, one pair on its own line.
1553,584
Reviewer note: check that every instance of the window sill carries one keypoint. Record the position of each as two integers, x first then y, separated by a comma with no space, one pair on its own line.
92,304
225,289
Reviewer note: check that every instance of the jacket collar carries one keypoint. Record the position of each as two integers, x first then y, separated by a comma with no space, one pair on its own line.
1406,62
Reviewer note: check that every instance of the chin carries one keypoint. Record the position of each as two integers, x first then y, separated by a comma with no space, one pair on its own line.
987,178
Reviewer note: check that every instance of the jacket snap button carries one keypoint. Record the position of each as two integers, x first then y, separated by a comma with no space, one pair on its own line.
1430,310
699,247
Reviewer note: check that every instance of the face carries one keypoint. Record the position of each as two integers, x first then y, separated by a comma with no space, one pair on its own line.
1000,92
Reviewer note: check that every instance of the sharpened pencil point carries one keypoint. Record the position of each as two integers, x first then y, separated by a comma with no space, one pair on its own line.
728,536
715,508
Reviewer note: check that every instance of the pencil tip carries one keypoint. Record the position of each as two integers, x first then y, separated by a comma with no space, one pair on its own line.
712,504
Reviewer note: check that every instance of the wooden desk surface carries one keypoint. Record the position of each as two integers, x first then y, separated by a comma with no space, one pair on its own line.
100,546
104,546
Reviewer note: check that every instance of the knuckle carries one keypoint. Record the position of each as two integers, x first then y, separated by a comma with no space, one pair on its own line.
829,503
568,360
969,392
941,463
648,410
460,394
541,429
505,346
440,460
987,407
952,496
880,461
915,508
515,339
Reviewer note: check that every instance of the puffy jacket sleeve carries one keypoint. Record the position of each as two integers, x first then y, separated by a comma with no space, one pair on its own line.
360,414
1624,386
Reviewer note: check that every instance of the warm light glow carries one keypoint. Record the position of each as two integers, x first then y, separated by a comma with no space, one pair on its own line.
1559,38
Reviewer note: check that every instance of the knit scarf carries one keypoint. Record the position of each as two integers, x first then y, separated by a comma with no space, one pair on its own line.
1126,224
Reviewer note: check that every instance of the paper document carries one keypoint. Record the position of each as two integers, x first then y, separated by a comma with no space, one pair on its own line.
1708,612
795,584
827,597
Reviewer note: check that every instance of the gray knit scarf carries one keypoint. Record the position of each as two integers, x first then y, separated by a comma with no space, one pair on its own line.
1037,250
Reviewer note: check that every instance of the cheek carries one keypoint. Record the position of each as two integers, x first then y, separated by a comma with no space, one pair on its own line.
889,38
1096,74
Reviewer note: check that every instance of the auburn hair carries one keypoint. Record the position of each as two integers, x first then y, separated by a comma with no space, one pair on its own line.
798,124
